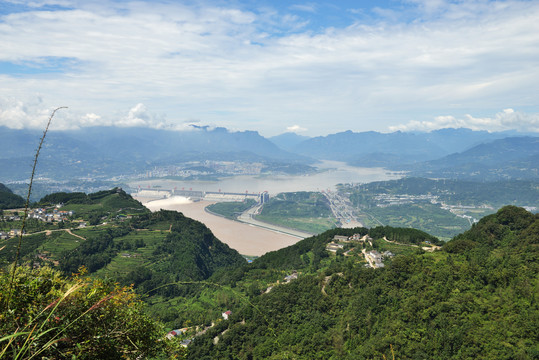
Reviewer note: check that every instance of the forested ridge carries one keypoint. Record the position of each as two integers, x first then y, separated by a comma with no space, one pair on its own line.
8,199
475,299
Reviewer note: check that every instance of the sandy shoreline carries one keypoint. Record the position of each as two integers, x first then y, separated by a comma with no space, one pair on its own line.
246,239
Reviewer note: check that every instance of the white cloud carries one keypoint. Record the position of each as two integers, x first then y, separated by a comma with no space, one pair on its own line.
295,129
17,114
508,119
91,120
139,116
304,7
243,68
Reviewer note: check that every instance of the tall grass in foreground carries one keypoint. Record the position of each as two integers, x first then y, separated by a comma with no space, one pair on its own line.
80,317
43,315
26,208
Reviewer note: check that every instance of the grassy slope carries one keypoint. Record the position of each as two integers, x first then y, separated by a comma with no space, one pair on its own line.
306,211
425,216
231,210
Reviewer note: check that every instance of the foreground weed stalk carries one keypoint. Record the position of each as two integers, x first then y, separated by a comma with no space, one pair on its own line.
26,209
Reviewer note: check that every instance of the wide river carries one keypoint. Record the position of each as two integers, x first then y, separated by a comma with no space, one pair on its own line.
248,239
331,174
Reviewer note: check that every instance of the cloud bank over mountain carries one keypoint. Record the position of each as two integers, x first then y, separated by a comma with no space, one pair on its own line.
508,119
266,65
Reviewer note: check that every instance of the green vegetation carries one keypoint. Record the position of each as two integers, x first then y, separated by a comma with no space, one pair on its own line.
290,169
231,210
443,208
425,216
28,247
59,241
103,203
306,211
455,192
9,200
152,251
475,300
153,272
82,318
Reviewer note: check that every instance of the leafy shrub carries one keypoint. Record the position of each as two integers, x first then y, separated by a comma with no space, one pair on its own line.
54,317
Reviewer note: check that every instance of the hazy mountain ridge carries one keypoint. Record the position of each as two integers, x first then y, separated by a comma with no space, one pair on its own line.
110,151
512,157
397,148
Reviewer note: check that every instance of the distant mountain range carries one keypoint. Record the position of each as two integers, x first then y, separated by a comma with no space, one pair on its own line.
509,158
110,151
386,149
445,153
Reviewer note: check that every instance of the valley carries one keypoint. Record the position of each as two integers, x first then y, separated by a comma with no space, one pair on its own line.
269,180
188,278
314,243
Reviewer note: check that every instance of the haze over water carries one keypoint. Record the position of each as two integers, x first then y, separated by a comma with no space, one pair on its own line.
333,173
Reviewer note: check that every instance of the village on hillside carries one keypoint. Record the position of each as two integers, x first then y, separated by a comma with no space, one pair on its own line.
363,246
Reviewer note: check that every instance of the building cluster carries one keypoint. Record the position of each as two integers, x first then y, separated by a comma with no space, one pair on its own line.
50,215
11,233
339,241
204,168
46,215
374,258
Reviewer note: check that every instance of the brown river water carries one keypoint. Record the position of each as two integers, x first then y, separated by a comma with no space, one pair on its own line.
246,239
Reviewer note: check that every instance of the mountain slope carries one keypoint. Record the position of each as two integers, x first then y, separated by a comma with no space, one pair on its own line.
513,157
109,151
9,200
392,149
288,141
475,299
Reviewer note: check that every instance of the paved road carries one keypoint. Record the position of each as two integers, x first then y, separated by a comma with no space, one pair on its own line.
343,210
247,217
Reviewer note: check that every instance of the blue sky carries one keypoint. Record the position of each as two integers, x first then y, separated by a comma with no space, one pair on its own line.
312,67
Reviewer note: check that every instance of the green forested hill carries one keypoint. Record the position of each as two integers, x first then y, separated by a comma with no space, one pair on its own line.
152,251
105,201
9,200
475,299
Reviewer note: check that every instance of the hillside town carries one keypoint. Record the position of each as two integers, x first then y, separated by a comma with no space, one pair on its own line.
47,215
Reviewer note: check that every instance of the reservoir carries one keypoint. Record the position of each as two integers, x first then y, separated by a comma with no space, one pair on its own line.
331,173
248,239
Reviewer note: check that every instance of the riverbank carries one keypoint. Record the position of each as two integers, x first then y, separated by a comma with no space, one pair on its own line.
246,239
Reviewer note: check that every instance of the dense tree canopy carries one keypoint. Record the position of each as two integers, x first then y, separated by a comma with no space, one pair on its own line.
477,299
9,200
